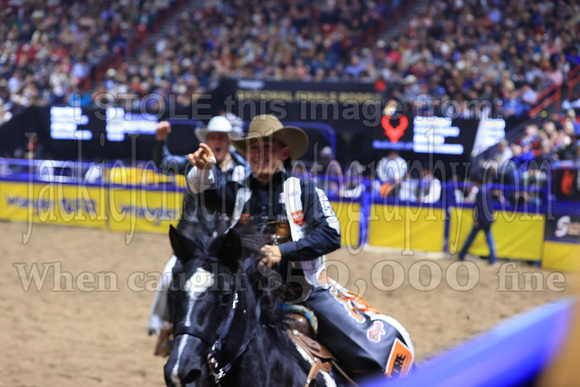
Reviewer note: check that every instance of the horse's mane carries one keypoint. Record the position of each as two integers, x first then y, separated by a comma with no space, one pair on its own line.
250,235
259,276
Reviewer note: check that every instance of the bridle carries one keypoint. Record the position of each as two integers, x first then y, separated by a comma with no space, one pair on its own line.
219,363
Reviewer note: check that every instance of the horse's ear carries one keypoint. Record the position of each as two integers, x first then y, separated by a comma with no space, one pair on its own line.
182,246
231,249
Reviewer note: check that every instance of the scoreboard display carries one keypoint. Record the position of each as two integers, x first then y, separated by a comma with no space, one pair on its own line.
75,132
445,138
73,123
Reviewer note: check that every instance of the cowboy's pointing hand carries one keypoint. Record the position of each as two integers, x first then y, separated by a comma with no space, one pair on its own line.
203,158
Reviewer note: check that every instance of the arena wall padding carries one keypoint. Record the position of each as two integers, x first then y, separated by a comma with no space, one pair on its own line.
407,227
517,235
512,354
561,256
54,203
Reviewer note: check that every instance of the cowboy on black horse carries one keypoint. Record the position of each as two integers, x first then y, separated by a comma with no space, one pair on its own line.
364,340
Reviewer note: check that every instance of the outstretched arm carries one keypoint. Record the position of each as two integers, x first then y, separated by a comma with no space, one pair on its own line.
201,177
203,182
161,156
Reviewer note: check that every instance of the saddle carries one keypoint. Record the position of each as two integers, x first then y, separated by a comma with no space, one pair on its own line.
300,332
279,232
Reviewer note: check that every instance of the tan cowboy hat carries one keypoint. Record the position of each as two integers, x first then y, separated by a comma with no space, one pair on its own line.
267,125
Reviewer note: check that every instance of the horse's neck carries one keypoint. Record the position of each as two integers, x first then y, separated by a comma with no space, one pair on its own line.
272,359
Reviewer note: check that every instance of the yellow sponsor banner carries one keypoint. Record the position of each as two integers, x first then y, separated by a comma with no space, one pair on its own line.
180,181
135,209
53,203
348,214
406,227
516,235
561,256
122,175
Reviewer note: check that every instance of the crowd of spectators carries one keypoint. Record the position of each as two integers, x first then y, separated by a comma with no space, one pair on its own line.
523,166
502,51
48,48
277,40
551,141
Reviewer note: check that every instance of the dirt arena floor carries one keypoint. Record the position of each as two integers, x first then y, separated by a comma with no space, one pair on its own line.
85,324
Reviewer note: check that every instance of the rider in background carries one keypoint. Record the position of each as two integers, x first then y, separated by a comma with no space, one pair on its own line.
230,166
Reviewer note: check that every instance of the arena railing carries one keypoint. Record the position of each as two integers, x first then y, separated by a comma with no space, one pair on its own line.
548,99
573,80
363,212
551,97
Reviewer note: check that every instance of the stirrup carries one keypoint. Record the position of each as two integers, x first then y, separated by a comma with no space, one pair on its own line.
321,358
164,342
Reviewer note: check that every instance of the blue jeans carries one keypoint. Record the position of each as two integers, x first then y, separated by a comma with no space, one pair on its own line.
471,237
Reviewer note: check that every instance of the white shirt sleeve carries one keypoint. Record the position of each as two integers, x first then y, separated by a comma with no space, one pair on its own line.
381,169
408,190
199,181
434,193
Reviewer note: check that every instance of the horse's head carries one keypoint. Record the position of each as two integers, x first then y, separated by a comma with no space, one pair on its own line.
214,310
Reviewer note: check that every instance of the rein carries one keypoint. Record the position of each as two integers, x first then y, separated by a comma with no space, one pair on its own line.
213,358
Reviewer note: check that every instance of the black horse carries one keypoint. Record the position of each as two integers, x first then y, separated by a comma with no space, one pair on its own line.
227,328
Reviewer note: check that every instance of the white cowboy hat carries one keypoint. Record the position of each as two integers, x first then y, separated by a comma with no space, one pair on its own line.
267,125
409,79
216,124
